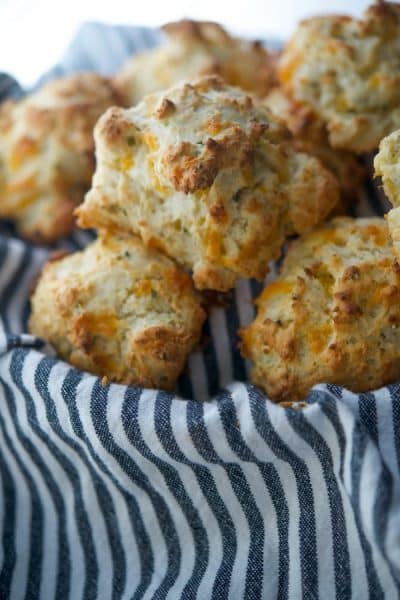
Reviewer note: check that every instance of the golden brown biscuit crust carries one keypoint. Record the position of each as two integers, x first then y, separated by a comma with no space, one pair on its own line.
204,175
310,136
118,310
333,314
387,166
194,49
46,153
348,72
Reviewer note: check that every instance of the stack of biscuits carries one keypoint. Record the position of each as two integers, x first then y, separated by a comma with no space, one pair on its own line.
212,157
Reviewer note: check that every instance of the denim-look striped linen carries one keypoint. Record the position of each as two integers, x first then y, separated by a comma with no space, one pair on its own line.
118,492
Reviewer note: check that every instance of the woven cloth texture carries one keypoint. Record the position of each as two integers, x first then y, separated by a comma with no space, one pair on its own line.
213,492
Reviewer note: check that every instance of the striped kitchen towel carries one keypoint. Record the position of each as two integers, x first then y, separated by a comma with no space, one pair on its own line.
117,492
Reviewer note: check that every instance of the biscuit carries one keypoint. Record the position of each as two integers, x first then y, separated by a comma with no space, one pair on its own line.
46,153
118,310
387,166
310,135
194,49
332,315
207,177
348,72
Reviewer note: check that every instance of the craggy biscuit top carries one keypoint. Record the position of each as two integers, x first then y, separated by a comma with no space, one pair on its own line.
310,135
118,310
46,152
348,72
194,49
387,166
332,315
207,177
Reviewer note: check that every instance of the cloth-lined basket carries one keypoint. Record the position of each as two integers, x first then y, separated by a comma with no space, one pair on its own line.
215,492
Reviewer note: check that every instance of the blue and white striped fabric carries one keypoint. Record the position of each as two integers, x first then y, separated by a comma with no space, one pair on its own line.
116,492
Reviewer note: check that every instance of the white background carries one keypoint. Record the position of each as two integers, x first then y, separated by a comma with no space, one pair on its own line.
34,33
